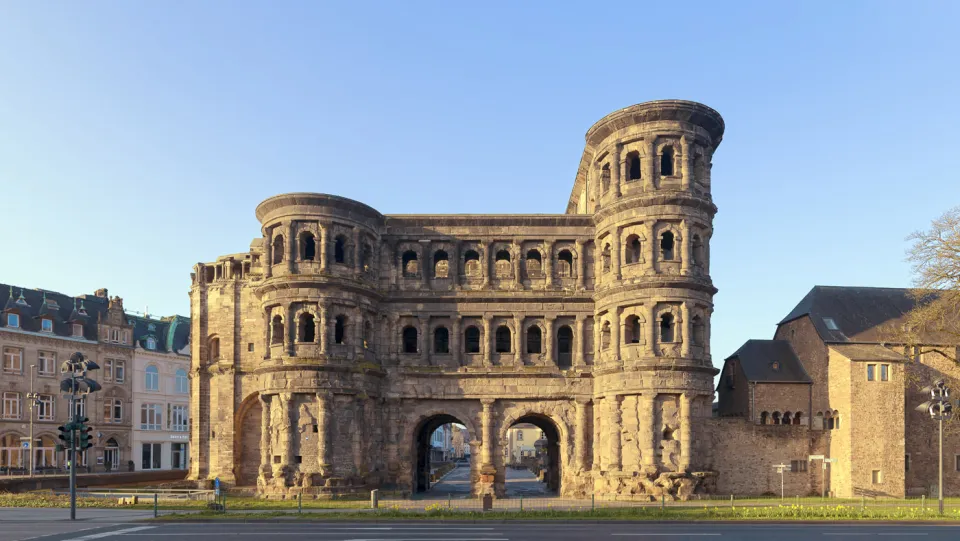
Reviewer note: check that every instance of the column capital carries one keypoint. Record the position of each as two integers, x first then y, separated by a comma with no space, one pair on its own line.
488,402
581,401
286,396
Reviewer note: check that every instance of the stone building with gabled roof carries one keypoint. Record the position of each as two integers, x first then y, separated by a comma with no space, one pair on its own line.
862,393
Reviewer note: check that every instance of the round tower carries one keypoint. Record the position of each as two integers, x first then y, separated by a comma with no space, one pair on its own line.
645,177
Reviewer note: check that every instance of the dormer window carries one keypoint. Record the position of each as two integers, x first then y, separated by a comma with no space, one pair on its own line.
78,330
831,324
13,320
151,344
775,366
46,325
114,335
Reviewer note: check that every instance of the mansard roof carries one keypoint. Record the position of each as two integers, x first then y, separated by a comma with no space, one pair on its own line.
171,334
852,314
35,304
770,361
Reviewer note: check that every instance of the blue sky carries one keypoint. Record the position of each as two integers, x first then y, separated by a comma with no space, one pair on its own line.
136,138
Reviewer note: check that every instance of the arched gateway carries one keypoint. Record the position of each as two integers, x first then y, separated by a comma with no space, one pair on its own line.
326,355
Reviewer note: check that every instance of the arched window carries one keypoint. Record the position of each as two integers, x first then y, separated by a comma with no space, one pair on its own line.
828,418
502,264
776,417
564,347
632,334
605,257
276,330
698,254
565,264
340,330
471,339
798,418
787,417
503,339
367,334
409,339
818,423
410,263
471,263
214,346
441,264
340,249
181,381
533,339
308,328
633,166
441,340
666,328
763,417
666,246
836,420
699,331
605,177
632,254
278,249
152,379
666,162
308,246
151,343
605,335
365,257
534,263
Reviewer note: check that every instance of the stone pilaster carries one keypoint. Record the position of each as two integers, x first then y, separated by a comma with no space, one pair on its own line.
394,336
323,332
455,333
650,148
359,430
685,169
325,433
615,170
578,342
580,436
685,248
322,249
358,334
487,340
548,263
615,333
548,323
424,340
290,331
517,251
357,250
651,330
426,267
265,451
518,350
488,469
613,439
487,263
615,234
291,246
685,330
267,256
580,264
645,433
686,426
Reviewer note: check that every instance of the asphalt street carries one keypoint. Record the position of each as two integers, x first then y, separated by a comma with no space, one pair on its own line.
478,531
456,484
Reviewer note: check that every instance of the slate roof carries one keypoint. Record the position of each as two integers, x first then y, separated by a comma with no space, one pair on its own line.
857,311
867,352
172,334
758,357
64,310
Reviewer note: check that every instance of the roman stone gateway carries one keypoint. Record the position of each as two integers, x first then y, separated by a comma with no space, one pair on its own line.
344,336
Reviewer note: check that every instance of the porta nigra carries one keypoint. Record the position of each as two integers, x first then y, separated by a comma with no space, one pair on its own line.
325,356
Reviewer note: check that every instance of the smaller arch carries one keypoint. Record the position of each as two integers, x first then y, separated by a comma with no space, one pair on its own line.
534,339
213,345
836,420
776,417
308,246
534,263
632,251
787,417
565,263
471,263
605,257
340,329
667,324
307,328
502,264
340,249
410,264
409,336
666,161
605,335
441,264
441,340
278,249
605,177
763,417
502,338
276,330
471,339
699,331
667,244
564,347
632,330
798,418
634,171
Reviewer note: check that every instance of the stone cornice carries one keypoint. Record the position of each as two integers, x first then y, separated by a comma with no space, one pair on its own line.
268,208
657,198
294,281
487,220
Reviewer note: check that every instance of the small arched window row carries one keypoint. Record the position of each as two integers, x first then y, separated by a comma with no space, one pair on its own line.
778,418
828,420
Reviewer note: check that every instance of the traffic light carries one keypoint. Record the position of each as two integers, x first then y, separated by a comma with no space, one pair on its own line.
83,434
66,436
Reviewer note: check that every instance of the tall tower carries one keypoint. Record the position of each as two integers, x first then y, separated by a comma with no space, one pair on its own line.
645,177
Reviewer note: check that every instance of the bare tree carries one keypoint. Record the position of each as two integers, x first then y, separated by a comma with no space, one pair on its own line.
934,324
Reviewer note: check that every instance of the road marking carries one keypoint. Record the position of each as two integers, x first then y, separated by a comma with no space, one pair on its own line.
651,534
124,531
904,533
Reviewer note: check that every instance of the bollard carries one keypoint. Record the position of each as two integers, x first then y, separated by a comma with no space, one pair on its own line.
449,500
593,502
663,502
154,505
374,499
488,502
521,503
223,501
923,502
300,503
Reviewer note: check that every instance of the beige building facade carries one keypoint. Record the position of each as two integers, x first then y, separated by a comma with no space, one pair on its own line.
326,354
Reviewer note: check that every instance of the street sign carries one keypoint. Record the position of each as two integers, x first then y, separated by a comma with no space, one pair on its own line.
829,460
816,457
26,445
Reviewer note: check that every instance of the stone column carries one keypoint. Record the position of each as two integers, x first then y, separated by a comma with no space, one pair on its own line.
652,325
685,330
487,341
358,334
685,169
426,269
598,421
323,333
455,333
424,340
615,333
518,350
453,261
292,245
648,165
268,256
394,336
290,331
686,252
289,431
324,433
487,259
267,333
356,250
265,451
645,434
516,264
580,264
578,342
616,253
488,431
707,324
615,170
686,422
324,242
548,263
359,424
548,339
580,436
613,433
653,245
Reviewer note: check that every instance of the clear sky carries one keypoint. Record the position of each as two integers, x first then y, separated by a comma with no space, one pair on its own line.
136,138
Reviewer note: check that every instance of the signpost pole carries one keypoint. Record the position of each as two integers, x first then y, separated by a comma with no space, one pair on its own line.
72,457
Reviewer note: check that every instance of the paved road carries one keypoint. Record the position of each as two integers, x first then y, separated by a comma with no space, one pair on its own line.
457,484
570,531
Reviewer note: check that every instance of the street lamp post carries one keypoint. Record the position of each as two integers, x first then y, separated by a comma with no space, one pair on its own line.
940,409
33,400
76,383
